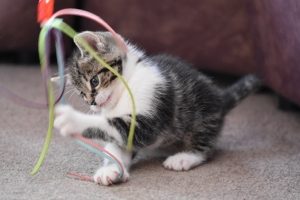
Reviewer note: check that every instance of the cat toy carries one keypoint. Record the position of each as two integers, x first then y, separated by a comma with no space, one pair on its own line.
50,22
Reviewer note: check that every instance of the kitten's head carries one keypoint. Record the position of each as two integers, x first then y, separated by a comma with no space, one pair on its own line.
94,82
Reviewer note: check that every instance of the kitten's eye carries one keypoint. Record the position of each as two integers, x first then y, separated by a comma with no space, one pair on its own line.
94,81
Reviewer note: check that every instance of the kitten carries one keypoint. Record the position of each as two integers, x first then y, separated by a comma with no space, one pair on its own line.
180,111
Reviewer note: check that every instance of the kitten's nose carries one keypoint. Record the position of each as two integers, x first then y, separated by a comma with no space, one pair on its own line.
93,103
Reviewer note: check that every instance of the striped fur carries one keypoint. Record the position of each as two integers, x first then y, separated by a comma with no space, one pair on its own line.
179,110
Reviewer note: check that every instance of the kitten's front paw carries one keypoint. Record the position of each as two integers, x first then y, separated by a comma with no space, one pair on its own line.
67,120
108,175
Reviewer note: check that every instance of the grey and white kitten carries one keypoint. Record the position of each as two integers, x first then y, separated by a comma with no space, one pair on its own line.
180,111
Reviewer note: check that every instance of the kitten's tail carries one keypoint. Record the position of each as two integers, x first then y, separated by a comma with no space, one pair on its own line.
238,91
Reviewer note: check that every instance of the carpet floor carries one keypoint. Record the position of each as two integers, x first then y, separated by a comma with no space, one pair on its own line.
258,155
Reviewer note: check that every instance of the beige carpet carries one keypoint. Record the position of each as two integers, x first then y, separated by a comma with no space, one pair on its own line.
258,156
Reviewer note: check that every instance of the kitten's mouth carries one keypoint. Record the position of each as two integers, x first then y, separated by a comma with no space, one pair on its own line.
104,103
98,107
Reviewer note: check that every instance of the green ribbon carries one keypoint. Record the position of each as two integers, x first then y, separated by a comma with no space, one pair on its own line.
65,28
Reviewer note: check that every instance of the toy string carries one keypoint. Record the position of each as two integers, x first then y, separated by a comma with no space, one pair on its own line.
43,43
88,144
60,58
70,32
37,105
58,24
80,177
28,103
97,149
99,20
22,101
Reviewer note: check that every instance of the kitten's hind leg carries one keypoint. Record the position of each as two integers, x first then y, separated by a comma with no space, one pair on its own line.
109,173
184,161
199,145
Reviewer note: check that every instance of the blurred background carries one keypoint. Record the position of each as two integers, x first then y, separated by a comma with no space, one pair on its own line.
226,37
257,155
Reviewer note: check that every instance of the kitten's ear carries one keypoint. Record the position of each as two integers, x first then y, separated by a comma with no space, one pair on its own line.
57,80
91,38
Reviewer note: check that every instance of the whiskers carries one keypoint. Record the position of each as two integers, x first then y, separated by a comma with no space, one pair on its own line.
77,102
71,95
70,91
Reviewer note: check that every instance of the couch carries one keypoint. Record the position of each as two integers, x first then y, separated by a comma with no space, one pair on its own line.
228,36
